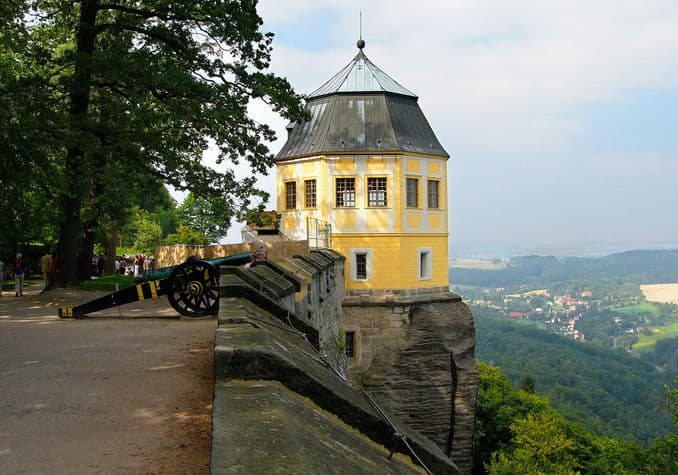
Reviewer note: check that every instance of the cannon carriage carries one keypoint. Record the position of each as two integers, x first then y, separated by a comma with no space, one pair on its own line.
192,288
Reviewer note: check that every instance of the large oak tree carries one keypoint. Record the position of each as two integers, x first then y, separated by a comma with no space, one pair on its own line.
142,88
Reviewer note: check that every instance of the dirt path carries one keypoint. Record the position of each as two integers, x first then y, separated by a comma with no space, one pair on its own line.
104,394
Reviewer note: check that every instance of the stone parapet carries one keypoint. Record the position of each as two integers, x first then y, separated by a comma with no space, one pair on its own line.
279,345
253,353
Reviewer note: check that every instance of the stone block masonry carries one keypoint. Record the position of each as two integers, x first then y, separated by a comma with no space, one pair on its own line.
280,349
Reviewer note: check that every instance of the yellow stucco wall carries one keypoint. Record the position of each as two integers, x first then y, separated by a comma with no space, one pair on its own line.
395,260
393,233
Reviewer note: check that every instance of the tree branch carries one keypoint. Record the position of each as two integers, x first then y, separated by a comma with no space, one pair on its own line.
133,11
172,41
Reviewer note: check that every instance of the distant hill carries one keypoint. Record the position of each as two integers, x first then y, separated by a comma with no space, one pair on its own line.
642,267
610,392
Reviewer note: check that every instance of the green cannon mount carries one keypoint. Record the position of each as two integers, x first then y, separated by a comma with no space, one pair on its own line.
192,288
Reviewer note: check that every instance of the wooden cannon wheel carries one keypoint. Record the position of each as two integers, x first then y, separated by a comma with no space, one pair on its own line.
194,288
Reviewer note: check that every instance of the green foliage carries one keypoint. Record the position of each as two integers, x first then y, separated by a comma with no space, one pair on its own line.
211,218
341,340
588,383
527,384
663,354
259,218
186,236
662,458
616,456
637,267
638,309
608,399
539,445
128,94
519,433
497,407
663,455
646,342
149,236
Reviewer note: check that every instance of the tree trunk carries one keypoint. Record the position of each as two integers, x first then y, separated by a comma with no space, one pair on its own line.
86,251
79,96
110,252
69,241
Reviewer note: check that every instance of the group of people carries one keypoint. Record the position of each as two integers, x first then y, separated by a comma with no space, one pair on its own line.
98,265
133,265
129,265
19,270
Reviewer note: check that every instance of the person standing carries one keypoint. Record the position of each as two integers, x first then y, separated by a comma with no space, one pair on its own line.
19,271
95,265
46,267
2,274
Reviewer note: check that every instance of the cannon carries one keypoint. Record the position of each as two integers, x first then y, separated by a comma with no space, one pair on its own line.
192,288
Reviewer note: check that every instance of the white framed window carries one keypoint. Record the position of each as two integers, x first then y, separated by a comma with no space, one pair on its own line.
344,192
433,193
412,191
310,193
376,191
361,264
290,194
425,263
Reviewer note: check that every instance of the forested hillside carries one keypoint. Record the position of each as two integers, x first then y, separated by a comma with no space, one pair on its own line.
568,327
610,392
642,267
518,432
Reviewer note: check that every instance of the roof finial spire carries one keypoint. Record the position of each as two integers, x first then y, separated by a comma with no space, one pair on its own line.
361,42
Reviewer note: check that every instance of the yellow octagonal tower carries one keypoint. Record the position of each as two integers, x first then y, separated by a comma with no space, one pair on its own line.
367,176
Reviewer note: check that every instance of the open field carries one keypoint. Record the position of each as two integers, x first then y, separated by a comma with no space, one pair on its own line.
531,292
643,307
665,293
482,264
645,342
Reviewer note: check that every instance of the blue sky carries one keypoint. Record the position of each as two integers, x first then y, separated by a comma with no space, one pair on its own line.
561,117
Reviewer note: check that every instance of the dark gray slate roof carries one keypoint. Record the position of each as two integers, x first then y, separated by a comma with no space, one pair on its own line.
361,109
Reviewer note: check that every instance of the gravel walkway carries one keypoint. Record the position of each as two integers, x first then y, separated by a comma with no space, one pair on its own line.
104,394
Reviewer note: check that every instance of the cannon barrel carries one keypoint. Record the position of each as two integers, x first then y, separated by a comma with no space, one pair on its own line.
165,272
192,288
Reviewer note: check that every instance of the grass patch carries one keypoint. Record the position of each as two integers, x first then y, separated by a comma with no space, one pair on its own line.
643,307
107,283
645,342
8,285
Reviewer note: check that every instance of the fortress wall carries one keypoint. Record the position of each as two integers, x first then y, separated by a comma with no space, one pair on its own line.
416,358
166,256
414,352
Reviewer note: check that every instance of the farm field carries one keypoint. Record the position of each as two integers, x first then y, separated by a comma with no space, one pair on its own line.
643,307
482,264
530,293
665,293
645,342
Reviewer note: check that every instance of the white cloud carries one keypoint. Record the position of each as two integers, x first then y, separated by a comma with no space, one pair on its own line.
508,87
509,70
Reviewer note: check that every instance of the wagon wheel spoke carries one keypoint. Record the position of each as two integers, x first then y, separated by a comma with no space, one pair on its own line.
194,285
